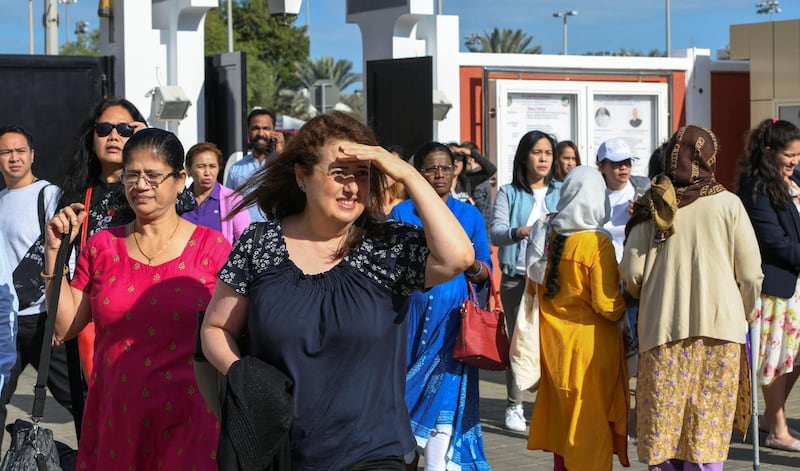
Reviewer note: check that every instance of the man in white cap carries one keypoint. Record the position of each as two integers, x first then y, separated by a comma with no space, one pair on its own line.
615,161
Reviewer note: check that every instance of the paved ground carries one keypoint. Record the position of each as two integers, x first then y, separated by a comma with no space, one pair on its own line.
505,450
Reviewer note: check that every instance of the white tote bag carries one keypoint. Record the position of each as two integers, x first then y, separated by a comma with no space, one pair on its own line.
525,353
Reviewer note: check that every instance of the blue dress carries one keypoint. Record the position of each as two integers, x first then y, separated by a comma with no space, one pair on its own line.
340,335
440,390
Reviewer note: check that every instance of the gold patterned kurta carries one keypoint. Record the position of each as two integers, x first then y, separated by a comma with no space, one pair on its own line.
143,409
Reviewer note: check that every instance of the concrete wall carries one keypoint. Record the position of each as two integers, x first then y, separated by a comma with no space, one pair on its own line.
159,42
773,49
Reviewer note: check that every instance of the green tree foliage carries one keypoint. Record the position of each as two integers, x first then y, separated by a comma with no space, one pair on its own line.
507,41
629,53
327,68
324,68
354,101
85,44
272,48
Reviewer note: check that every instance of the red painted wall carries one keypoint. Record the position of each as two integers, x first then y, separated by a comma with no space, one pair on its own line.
730,120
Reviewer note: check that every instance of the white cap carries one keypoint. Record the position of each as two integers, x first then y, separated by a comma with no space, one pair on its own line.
615,150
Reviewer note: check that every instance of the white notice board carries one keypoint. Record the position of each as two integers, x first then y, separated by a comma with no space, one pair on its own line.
584,112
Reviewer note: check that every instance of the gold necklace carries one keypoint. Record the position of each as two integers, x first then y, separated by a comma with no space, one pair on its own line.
150,259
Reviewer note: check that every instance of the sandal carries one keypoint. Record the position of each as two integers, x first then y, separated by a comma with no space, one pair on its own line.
763,428
770,442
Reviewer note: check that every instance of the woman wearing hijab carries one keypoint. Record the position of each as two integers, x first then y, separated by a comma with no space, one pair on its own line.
581,409
689,259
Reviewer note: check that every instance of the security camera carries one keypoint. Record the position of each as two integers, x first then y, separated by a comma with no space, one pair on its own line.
284,8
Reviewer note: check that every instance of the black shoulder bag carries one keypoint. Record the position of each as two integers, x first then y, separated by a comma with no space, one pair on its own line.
28,284
33,447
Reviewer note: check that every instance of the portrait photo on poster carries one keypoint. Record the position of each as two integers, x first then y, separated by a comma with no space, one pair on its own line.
602,116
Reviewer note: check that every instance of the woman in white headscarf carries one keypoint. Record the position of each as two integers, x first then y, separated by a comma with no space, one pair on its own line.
581,410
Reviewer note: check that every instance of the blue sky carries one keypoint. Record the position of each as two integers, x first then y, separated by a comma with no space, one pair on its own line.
608,25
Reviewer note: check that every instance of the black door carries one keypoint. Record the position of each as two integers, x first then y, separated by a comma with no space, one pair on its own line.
50,96
226,102
400,101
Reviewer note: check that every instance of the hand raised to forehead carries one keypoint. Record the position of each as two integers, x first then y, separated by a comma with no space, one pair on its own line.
387,163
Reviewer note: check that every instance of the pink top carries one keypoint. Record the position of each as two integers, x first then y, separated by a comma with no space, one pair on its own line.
144,409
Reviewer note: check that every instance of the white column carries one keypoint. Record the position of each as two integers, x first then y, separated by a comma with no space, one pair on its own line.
158,43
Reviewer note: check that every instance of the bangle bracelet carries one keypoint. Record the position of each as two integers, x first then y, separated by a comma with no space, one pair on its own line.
50,276
473,275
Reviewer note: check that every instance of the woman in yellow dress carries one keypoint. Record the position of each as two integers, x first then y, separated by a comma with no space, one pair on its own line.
581,410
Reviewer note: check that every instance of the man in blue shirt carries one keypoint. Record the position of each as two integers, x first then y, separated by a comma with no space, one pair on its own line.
8,317
265,144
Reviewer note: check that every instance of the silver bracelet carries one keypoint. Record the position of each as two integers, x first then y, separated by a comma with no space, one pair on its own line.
473,275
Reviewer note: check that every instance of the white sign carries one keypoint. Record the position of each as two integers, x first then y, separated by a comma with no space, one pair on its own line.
524,112
629,117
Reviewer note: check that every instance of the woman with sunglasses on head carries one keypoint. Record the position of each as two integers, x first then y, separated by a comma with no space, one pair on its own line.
321,293
142,284
770,191
532,194
442,393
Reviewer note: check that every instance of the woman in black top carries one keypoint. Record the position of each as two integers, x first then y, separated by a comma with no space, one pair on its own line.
321,293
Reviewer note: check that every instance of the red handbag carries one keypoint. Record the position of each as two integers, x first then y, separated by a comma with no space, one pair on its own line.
482,341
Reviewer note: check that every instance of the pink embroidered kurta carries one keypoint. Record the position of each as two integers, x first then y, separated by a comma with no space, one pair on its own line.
144,410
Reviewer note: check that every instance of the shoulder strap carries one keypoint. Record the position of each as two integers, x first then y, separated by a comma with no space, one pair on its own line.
40,209
87,201
39,391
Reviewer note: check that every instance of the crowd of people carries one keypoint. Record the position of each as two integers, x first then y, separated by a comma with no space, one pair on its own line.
332,271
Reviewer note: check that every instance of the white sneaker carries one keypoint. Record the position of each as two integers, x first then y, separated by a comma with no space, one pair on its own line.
515,419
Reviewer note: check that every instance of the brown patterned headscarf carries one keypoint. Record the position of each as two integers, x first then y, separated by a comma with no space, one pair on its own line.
691,158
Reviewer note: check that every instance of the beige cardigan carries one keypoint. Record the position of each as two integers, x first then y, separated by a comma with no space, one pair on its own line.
702,281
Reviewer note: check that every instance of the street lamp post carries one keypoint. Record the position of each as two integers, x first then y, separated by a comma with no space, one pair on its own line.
67,3
768,7
564,15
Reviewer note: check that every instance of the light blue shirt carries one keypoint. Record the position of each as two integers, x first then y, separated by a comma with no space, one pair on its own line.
239,173
9,307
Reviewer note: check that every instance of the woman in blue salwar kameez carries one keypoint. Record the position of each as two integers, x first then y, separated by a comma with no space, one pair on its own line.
442,393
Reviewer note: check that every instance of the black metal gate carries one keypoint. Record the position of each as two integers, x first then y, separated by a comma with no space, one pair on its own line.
50,96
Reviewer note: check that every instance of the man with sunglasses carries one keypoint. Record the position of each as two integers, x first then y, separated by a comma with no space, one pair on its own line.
25,205
265,144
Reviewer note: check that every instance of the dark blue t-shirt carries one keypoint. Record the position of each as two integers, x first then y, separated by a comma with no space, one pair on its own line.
340,335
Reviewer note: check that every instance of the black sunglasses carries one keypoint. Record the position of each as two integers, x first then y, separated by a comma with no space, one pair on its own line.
104,129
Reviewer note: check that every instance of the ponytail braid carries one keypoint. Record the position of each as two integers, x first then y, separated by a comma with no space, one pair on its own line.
551,282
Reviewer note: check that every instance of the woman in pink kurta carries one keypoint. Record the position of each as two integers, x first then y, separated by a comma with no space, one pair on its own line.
142,285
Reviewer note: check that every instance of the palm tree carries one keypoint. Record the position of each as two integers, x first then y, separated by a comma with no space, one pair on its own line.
507,41
326,68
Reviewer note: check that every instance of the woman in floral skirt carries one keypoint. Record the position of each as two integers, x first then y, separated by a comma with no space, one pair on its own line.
770,190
